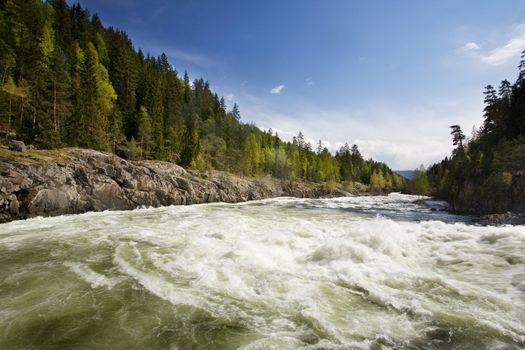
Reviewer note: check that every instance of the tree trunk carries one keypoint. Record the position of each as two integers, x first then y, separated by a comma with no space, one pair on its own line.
9,124
141,145
55,121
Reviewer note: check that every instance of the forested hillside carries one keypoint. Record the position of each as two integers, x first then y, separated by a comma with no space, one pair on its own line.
69,81
486,172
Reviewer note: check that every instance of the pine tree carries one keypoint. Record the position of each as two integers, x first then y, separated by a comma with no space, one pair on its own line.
191,143
377,181
7,47
319,147
251,156
145,133
124,75
491,110
96,101
102,50
66,80
15,96
235,112
457,136
61,95
420,184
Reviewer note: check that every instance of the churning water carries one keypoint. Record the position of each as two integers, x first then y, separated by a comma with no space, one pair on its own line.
349,273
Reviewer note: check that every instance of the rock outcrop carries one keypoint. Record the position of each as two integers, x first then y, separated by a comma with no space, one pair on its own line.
70,181
18,146
508,218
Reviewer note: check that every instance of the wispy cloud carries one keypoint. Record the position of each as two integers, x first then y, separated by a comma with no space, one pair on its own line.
188,57
470,46
309,82
379,131
510,51
177,55
277,90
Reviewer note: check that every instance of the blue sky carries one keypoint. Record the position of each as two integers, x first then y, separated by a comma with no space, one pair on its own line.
391,76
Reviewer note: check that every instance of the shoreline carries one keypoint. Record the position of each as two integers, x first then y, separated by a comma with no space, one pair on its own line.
47,183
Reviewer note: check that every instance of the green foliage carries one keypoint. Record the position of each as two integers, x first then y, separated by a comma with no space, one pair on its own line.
47,35
133,150
420,184
95,101
377,181
251,157
144,134
200,163
486,174
102,50
68,81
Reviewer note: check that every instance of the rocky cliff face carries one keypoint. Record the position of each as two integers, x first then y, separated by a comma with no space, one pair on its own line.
48,183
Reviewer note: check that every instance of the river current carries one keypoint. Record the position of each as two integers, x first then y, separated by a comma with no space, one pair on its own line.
383,272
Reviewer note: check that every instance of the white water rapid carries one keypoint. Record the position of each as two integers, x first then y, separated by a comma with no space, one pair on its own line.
381,272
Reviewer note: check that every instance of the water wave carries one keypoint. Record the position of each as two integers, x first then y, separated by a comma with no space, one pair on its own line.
361,272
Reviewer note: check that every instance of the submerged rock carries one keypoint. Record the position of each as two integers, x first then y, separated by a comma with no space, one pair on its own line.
502,219
70,181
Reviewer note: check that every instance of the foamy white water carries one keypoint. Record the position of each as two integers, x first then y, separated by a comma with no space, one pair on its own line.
350,273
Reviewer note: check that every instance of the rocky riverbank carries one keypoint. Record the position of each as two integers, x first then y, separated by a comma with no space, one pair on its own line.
71,181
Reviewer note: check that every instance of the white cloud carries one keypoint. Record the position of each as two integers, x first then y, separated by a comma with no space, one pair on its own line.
188,57
470,46
404,155
230,97
510,51
309,82
403,137
177,55
277,90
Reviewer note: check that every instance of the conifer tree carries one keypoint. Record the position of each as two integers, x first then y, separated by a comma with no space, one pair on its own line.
66,80
457,136
251,156
145,134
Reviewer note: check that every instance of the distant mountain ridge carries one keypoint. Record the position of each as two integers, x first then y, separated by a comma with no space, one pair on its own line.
407,174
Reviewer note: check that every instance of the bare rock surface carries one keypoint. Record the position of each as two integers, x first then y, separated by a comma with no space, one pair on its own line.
18,146
70,181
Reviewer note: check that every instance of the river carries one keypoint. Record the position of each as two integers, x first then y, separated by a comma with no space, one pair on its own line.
383,272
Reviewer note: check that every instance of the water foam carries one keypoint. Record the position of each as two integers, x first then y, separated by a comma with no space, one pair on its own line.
94,279
293,273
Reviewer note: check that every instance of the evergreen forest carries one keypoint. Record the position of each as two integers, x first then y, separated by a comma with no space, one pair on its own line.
69,81
486,171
